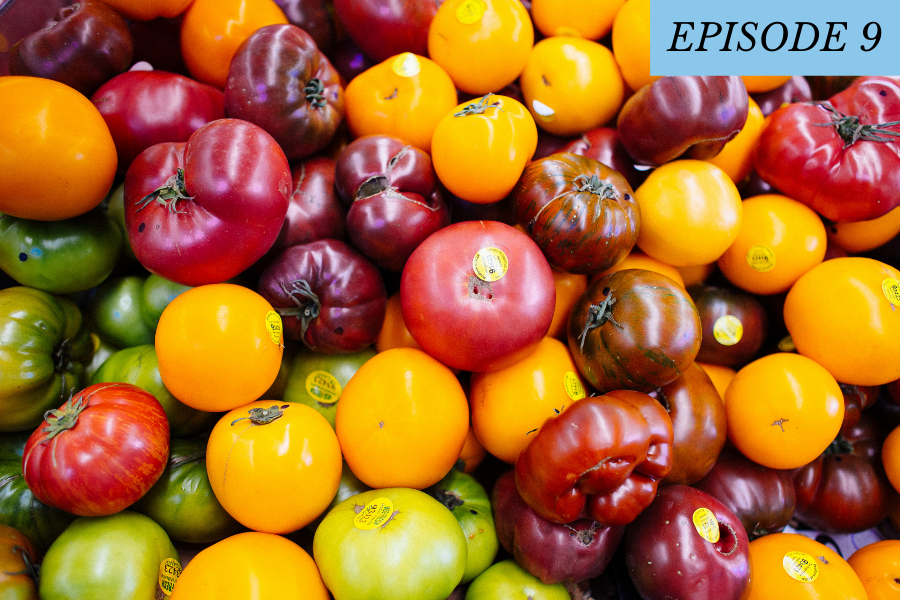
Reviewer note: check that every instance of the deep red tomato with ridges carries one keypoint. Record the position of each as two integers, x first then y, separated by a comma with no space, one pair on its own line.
100,452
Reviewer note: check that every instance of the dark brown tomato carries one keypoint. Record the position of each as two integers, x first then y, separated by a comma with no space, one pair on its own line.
633,329
734,322
580,212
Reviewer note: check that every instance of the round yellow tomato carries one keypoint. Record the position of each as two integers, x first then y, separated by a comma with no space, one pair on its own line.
764,83
212,30
219,346
270,454
404,96
57,157
402,420
790,565
696,273
589,19
720,375
146,10
571,85
394,333
510,405
843,313
482,44
251,565
783,410
697,200
890,457
860,236
736,158
878,567
569,287
780,239
472,454
480,148
631,43
639,260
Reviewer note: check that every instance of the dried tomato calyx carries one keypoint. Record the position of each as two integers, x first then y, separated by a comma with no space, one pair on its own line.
840,445
169,194
263,416
314,91
597,315
851,130
594,185
62,419
308,305
478,108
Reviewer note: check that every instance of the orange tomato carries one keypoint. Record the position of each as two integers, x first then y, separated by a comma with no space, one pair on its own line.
482,44
790,565
890,456
779,240
569,286
696,273
510,405
146,10
631,43
843,314
736,158
571,85
694,198
639,260
590,19
764,83
212,30
57,157
219,346
783,410
720,375
404,96
480,148
402,420
472,454
878,567
394,333
860,236
251,565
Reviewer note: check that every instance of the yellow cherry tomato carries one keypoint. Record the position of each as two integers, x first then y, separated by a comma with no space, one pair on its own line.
57,157
590,19
571,85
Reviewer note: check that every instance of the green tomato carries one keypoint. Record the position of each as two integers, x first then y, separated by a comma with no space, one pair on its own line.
506,579
317,379
116,312
118,557
60,257
390,544
349,486
139,366
102,350
156,294
183,502
43,350
471,505
21,510
115,207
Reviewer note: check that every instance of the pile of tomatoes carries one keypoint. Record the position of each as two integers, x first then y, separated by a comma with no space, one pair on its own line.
425,300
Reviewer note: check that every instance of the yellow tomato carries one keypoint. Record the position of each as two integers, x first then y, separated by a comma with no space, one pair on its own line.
571,85
57,157
878,567
764,83
860,236
482,44
736,158
590,19
146,10
690,212
631,43
639,260
404,96
720,375
480,148
569,287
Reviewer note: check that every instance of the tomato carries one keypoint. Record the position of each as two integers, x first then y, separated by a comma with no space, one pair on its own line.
633,329
638,260
878,567
763,83
569,286
60,257
251,564
696,199
472,453
790,565
602,143
735,324
571,85
362,543
720,375
99,452
156,293
890,456
861,236
318,379
219,346
394,333
480,148
581,213
402,420
838,157
795,89
212,30
145,10
139,365
18,565
57,157
21,510
631,43
590,19
404,96
509,406
860,326
506,579
482,44
736,156
230,172
779,240
783,410
120,557
477,295
265,452
44,347
115,312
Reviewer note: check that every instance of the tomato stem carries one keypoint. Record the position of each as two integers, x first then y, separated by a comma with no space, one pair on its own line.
168,195
64,418
314,91
840,445
594,185
263,416
598,314
307,309
478,108
851,130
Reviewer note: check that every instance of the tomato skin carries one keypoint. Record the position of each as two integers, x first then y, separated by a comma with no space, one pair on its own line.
144,10
722,307
581,213
602,143
817,165
104,462
18,559
234,173
20,509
